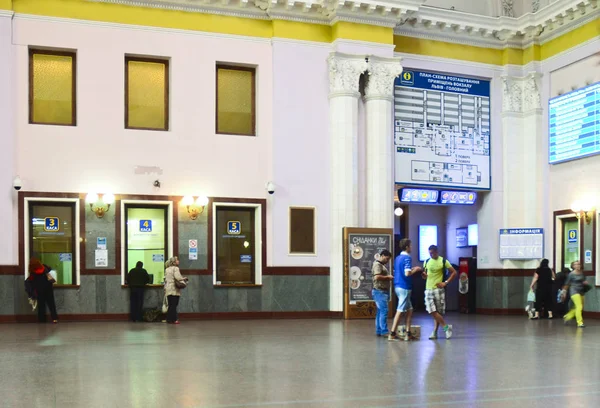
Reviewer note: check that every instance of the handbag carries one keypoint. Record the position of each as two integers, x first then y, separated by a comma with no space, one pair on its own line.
50,278
165,305
180,284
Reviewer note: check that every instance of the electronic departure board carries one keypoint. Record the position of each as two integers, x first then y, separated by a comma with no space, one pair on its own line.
574,124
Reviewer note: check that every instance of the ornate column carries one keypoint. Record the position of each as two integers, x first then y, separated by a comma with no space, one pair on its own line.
344,74
523,156
379,95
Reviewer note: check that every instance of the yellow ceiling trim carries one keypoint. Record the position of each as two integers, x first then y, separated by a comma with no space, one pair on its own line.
571,39
433,48
362,32
301,31
116,13
6,4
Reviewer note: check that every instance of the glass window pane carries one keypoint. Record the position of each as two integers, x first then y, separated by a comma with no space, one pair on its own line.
235,101
147,91
147,240
302,231
236,251
53,238
52,93
570,241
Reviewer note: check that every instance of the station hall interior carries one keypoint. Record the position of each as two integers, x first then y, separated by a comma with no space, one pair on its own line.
197,197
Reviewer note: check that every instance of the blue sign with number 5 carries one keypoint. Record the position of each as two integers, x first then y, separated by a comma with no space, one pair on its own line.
234,227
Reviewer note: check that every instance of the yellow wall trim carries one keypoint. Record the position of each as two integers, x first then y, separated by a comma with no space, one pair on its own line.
6,4
507,56
362,32
301,31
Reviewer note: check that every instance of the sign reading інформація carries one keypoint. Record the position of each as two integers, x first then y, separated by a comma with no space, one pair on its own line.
442,130
522,243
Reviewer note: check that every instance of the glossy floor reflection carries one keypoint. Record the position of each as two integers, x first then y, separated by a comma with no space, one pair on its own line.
491,362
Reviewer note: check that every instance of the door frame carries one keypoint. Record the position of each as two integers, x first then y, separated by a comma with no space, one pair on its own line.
258,237
558,252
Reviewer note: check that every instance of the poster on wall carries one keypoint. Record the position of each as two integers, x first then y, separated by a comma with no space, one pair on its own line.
442,130
363,248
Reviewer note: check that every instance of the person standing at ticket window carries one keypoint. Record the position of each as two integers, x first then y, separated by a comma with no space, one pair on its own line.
381,292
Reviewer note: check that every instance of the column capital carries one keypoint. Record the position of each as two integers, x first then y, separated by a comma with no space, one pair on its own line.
512,94
344,73
532,97
382,73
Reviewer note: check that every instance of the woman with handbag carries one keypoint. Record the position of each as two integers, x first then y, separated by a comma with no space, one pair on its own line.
42,282
577,287
174,282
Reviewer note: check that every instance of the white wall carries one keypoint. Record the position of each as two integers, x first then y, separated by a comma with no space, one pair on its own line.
301,152
8,204
572,180
99,154
457,217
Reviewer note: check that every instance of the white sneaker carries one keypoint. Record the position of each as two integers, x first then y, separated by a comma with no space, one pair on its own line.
433,336
449,332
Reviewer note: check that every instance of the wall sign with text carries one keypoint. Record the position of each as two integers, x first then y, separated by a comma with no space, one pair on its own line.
51,224
442,130
145,225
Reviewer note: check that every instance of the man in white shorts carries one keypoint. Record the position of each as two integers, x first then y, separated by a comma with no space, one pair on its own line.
403,272
435,290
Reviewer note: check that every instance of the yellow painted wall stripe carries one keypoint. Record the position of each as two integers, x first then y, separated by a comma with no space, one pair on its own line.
301,31
6,4
571,39
362,32
115,13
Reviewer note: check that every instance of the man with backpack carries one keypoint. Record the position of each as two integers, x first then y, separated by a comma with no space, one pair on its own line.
435,290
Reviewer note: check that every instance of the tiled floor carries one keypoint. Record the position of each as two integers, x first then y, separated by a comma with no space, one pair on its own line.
491,362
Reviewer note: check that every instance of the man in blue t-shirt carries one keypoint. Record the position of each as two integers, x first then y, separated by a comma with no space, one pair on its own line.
403,272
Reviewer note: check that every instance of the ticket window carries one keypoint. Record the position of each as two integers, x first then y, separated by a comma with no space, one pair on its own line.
52,238
570,241
147,239
236,249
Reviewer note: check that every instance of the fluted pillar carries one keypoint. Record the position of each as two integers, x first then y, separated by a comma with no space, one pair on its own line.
344,74
379,96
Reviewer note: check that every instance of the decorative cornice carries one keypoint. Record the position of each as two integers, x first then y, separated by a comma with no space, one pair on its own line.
381,76
409,17
344,73
521,95
500,32
7,13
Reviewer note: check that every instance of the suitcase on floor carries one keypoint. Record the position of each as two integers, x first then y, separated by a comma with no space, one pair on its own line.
414,330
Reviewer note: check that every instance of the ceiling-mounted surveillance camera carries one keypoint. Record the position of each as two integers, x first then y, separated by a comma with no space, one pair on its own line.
157,183
271,187
17,183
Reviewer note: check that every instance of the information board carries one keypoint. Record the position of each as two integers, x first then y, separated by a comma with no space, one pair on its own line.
442,130
522,243
574,124
414,195
428,235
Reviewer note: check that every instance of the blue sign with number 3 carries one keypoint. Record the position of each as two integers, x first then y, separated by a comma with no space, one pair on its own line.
51,224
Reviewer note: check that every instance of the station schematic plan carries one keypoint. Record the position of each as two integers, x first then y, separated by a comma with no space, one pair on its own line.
442,130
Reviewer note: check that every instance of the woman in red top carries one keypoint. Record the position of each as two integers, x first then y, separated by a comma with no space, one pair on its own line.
42,283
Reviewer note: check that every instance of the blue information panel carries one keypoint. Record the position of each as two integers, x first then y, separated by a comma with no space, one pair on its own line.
442,130
458,197
574,124
418,195
145,225
51,224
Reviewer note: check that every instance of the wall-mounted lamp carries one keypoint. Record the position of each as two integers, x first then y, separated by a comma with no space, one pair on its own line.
194,207
398,212
100,204
583,210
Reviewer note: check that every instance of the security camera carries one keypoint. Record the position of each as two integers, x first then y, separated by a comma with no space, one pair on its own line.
17,183
271,187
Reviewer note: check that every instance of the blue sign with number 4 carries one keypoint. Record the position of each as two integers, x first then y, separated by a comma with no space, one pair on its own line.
145,225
